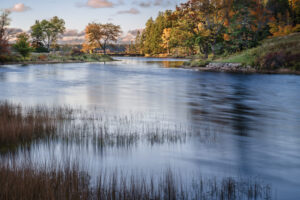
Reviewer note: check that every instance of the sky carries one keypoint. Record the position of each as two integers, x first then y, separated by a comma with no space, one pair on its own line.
129,14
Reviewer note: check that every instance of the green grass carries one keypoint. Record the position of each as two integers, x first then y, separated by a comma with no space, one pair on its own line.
273,53
287,46
57,57
246,57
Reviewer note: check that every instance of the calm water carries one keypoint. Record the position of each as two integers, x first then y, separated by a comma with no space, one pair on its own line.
255,119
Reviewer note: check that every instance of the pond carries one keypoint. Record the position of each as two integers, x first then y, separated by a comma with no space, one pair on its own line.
240,125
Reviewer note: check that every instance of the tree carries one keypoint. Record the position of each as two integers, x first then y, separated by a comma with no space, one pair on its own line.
248,26
47,32
204,19
100,35
166,39
22,45
295,10
4,23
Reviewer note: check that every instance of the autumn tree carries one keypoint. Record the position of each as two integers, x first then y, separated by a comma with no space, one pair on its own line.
22,45
295,11
47,32
4,23
166,37
100,35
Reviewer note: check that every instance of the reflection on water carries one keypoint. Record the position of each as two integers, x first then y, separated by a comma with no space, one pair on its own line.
256,118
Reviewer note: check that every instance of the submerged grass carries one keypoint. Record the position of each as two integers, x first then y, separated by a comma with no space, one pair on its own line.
70,183
20,126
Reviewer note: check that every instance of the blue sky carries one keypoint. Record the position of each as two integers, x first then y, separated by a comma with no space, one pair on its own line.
130,14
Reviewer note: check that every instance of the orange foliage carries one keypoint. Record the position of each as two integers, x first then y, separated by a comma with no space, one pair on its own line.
226,37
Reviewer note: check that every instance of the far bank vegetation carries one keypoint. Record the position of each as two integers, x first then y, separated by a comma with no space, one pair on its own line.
41,45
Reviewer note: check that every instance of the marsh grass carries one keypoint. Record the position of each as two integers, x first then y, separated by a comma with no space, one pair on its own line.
20,126
28,183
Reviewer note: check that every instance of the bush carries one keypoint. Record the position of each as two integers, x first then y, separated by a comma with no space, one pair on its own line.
273,60
282,59
41,49
43,57
76,52
296,29
22,45
4,58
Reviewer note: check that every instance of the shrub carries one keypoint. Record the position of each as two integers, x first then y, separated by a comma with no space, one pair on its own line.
43,57
41,49
273,60
282,59
76,52
22,45
296,28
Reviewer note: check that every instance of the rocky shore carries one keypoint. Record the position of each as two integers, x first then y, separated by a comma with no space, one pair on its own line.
238,68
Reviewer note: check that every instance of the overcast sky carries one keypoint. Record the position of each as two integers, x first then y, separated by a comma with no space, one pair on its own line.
130,14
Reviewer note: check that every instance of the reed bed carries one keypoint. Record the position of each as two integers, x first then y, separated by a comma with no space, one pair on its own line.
21,125
70,183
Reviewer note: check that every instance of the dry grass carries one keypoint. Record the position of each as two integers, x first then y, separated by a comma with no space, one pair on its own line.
19,125
70,183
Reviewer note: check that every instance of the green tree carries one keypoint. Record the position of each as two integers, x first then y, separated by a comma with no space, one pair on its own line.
46,32
22,45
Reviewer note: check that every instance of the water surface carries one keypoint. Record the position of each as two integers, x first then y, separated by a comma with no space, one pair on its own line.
254,119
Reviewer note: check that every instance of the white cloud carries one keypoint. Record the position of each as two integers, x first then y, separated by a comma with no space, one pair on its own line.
99,4
132,11
130,36
19,7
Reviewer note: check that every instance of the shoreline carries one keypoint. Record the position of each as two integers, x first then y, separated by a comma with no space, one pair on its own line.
238,68
52,62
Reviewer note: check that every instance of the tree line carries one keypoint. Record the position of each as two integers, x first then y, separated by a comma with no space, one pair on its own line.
215,27
43,36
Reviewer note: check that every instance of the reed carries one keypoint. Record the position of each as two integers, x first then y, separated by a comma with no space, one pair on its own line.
21,125
28,183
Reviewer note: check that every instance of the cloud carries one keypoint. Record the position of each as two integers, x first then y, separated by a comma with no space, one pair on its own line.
145,4
130,36
132,11
12,34
72,36
73,33
99,4
149,3
19,7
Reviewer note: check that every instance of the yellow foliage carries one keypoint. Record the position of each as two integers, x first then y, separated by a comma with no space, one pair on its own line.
87,48
201,27
296,28
166,37
280,29
206,33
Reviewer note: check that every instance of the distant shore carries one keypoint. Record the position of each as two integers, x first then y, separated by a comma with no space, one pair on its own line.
51,62
57,59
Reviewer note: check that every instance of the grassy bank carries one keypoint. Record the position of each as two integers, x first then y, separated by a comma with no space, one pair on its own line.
273,54
40,58
71,183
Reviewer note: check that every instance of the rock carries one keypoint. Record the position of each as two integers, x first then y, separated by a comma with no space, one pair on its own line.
228,67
